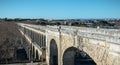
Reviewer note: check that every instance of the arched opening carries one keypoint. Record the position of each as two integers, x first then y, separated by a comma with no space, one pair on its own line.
33,53
21,54
53,53
73,56
37,55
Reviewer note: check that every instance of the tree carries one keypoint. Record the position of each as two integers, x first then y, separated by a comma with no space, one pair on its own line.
58,23
75,24
43,23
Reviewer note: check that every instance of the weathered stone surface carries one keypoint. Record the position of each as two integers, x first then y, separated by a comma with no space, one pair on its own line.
102,45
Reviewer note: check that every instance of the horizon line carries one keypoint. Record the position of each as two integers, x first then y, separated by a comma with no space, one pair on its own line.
57,18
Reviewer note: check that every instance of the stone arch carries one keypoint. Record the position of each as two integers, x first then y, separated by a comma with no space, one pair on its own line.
37,55
53,53
74,56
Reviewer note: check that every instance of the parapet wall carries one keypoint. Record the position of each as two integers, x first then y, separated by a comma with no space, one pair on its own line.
109,35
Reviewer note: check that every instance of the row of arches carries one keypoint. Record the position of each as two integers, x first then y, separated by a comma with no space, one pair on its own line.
35,54
71,56
38,38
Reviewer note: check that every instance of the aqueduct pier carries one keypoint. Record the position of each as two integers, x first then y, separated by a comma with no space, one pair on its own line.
68,45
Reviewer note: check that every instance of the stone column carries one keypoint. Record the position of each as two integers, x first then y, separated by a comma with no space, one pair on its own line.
35,55
40,40
43,40
29,54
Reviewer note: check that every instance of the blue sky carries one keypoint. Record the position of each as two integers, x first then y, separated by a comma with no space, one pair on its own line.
60,9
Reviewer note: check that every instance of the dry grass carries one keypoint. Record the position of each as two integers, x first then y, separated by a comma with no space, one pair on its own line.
9,39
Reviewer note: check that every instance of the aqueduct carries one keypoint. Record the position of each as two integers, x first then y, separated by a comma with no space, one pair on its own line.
67,45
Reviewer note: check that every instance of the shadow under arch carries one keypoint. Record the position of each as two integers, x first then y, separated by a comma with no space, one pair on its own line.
37,55
53,53
74,56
